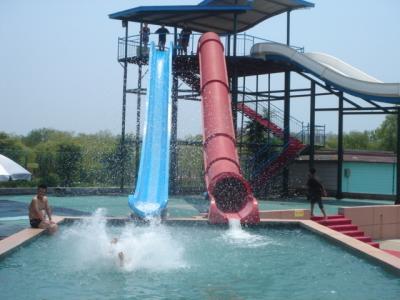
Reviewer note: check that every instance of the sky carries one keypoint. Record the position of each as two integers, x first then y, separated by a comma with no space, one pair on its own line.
59,69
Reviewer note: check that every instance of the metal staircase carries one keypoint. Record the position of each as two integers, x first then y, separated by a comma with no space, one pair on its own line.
273,164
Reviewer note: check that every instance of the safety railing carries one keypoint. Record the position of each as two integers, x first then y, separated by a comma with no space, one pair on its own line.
276,115
244,42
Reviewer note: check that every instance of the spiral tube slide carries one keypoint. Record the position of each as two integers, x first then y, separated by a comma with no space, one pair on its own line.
230,194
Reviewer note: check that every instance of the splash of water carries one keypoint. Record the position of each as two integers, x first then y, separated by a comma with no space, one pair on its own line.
148,207
151,247
237,236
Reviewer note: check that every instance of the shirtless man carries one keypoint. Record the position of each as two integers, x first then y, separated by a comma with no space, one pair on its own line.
38,209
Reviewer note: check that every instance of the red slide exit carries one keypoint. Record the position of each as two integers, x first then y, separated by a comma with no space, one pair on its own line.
230,194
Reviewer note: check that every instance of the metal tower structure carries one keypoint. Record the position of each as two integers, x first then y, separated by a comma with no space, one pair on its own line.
229,21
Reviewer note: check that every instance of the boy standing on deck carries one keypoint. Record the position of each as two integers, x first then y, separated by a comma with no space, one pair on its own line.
185,37
38,208
162,37
315,191
145,32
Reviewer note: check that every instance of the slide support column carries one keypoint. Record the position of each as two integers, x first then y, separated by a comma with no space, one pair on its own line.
122,142
398,160
286,132
286,113
174,125
339,194
138,107
312,126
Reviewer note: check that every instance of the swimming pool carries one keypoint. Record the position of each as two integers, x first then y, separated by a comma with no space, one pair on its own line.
189,262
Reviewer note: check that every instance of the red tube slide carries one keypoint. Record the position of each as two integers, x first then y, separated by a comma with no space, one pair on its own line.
230,194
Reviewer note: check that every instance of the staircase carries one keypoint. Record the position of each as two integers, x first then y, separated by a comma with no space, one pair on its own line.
275,129
275,163
344,225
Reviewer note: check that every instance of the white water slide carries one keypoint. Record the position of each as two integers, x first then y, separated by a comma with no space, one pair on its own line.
332,70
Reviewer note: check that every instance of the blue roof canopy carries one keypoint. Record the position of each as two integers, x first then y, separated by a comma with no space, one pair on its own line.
212,15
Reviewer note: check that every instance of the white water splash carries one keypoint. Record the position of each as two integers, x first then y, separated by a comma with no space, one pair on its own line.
151,247
237,236
148,207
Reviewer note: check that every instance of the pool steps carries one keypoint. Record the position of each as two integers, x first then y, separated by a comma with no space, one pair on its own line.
344,225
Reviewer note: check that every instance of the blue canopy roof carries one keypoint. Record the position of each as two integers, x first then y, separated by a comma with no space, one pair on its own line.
212,15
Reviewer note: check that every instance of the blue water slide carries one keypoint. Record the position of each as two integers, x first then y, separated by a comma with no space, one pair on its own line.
151,194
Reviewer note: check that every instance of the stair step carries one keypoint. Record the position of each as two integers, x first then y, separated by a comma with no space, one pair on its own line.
353,233
365,239
373,244
335,222
317,218
346,227
343,225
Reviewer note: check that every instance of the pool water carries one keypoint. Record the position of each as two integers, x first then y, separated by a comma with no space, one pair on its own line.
183,206
189,262
178,206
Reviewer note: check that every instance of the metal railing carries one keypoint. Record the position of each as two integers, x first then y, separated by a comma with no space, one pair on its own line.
244,42
276,115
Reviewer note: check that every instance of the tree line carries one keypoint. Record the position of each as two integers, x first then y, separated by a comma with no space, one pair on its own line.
61,158
384,138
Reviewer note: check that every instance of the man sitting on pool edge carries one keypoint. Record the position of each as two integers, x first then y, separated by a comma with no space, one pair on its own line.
38,208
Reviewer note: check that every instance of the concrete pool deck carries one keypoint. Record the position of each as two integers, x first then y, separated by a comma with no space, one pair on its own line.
387,260
390,244
16,240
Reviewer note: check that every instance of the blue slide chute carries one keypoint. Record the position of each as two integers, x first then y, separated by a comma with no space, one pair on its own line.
151,194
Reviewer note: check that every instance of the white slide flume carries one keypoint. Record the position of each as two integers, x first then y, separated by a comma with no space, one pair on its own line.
332,70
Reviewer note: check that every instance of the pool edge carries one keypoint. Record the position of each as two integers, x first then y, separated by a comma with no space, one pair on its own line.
22,237
389,261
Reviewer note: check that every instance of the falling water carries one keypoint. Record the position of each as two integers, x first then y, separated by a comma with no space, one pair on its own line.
237,236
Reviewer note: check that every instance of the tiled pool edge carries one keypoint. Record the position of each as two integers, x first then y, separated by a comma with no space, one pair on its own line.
27,235
375,254
391,262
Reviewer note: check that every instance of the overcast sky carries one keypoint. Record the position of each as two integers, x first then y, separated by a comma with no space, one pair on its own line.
58,65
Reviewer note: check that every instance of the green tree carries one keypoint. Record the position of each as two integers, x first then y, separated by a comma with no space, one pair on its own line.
259,147
354,140
386,134
44,135
357,140
13,148
331,141
118,155
94,148
46,161
68,163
